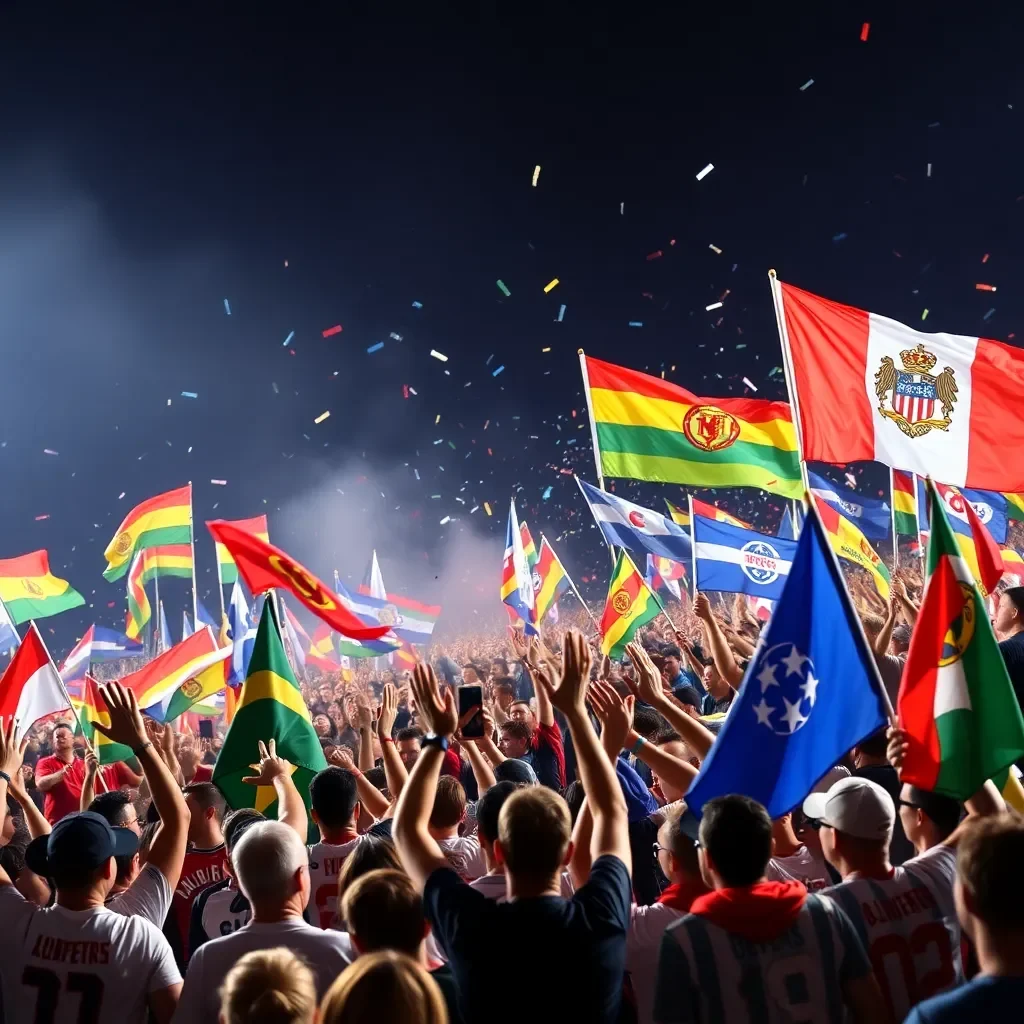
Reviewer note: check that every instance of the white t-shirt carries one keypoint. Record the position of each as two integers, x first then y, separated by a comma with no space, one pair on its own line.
325,952
494,886
909,927
93,965
803,866
148,897
465,856
325,860
643,941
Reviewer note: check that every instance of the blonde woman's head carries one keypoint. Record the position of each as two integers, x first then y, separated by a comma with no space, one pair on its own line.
384,986
268,986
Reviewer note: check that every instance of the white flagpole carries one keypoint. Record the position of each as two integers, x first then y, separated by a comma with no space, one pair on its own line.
693,548
575,591
590,412
157,631
220,581
917,515
192,541
892,516
787,368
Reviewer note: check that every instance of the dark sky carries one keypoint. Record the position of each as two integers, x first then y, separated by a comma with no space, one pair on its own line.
155,164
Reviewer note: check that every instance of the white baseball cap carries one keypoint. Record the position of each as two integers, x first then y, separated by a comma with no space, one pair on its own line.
858,807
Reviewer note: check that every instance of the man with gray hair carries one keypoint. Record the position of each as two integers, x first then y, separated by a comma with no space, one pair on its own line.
272,870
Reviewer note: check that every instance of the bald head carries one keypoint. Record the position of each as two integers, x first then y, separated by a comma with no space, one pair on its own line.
270,863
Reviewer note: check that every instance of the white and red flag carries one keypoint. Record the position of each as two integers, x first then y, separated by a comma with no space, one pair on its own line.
31,689
870,388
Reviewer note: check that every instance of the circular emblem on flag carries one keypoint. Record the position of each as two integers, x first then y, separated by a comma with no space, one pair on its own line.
621,601
984,510
637,519
709,428
537,582
388,615
191,689
123,543
956,502
789,689
867,552
760,562
961,631
32,588
307,587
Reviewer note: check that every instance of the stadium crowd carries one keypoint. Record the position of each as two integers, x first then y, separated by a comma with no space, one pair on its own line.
435,872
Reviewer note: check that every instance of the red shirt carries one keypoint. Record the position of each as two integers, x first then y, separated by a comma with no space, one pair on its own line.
66,797
200,869
204,773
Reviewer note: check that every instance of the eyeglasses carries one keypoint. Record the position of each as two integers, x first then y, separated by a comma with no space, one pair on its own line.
907,803
657,848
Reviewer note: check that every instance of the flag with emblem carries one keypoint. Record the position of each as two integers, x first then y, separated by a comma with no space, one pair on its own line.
870,515
868,387
956,701
849,543
629,606
91,709
165,519
810,693
647,428
516,579
270,707
31,591
679,516
731,560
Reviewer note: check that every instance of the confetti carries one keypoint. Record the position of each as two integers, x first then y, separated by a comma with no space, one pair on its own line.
447,519
561,313
273,384
924,315
501,285
553,283
715,249
984,259
704,173
439,355
548,349
546,494
376,348
219,483
622,209
985,287
190,394
336,329
417,305
864,30
50,451
636,323
807,85
39,519
395,336
322,416
654,255
839,237
929,170
284,344
487,508
536,175
749,384
121,495
494,373
989,313
227,307
714,305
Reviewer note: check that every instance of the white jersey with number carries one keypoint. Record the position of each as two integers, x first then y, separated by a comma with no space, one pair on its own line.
909,927
325,860
66,966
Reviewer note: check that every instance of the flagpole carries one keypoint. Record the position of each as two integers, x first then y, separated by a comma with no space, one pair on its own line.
590,412
796,519
693,548
657,600
157,631
220,581
917,514
787,369
892,516
192,541
574,589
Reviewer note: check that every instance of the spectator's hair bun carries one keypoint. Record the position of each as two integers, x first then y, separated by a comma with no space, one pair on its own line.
271,986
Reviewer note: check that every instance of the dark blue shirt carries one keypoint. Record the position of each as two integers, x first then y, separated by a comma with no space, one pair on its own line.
983,999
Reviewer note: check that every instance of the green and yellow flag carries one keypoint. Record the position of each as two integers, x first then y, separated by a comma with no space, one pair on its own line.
270,708
31,591
93,708
163,520
630,605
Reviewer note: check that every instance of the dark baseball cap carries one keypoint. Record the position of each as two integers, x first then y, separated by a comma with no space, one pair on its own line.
79,842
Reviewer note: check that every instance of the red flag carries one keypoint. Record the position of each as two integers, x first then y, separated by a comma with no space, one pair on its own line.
31,689
265,567
990,558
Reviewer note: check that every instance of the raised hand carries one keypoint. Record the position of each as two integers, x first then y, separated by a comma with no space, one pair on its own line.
341,757
648,679
388,712
439,715
520,645
896,749
614,712
126,724
12,753
577,658
702,607
364,716
270,766
92,763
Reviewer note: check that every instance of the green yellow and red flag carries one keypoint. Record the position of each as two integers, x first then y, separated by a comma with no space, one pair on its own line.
160,520
847,541
257,526
629,606
31,591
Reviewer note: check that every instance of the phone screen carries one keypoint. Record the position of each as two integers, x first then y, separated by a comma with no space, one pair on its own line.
471,696
205,729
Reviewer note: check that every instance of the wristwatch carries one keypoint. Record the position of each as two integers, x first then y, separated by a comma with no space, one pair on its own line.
433,740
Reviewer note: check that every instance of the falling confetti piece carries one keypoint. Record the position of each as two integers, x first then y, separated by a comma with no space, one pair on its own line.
704,173
561,313
636,323
273,384
376,348
929,170
864,30
447,519
984,259
749,384
439,355
924,315
395,336
654,255
322,416
989,313
121,495
336,329
622,210
417,305
50,451
487,508
284,344
985,287
190,394
536,175
39,519
547,493
548,349
501,285
495,373
219,483
715,249
714,305
553,283
227,307
839,237
807,85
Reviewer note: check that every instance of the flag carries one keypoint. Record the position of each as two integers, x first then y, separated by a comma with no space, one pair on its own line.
109,645
529,548
934,404
789,528
648,429
657,581
992,508
76,665
243,636
162,520
904,503
736,561
257,526
186,626
139,610
679,516
322,650
208,678
31,591
203,617
270,706
810,693
516,579
407,616
629,606
639,529
264,567
30,688
8,632
354,649
1013,564
98,644
160,677
165,631
298,650
702,508
93,708
848,542
405,657
1015,506
955,701
373,584
871,515
550,580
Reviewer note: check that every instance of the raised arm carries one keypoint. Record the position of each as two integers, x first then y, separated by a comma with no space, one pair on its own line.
907,606
34,820
482,770
375,802
608,805
12,754
92,766
881,644
721,652
277,772
364,720
395,771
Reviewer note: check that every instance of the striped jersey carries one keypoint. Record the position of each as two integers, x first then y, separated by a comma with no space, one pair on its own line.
707,974
909,927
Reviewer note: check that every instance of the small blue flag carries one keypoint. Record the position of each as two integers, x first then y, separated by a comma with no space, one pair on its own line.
871,516
733,560
811,692
789,528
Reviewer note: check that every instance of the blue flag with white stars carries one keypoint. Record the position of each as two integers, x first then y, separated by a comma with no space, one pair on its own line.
811,691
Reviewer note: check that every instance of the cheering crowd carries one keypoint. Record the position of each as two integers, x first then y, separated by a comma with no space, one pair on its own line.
440,865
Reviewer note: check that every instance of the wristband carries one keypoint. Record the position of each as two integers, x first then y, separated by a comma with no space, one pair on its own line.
5,777
387,739
433,740
138,750
635,749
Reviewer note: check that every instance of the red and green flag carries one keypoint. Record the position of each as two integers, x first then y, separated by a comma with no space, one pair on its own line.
955,702
630,605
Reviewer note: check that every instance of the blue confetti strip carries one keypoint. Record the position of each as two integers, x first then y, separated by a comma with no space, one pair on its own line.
376,348
494,373
989,313
189,394
546,494
417,305
561,313
636,323
284,344
227,307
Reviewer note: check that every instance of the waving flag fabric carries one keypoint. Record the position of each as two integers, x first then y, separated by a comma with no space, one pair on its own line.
870,515
31,591
848,542
165,673
630,605
550,580
257,526
8,631
516,579
165,519
30,688
904,503
735,561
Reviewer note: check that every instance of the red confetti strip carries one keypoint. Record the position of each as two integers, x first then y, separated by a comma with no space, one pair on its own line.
864,30
336,329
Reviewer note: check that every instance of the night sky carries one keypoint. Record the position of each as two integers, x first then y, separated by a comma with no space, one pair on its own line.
324,168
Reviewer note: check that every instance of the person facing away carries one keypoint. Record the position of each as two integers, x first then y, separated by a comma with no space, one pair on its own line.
754,950
582,938
273,872
268,986
335,808
990,906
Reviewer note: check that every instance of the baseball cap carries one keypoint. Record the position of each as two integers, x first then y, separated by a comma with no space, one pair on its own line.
81,841
858,807
512,769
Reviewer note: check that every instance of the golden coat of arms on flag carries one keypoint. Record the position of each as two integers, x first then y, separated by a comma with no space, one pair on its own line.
913,392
